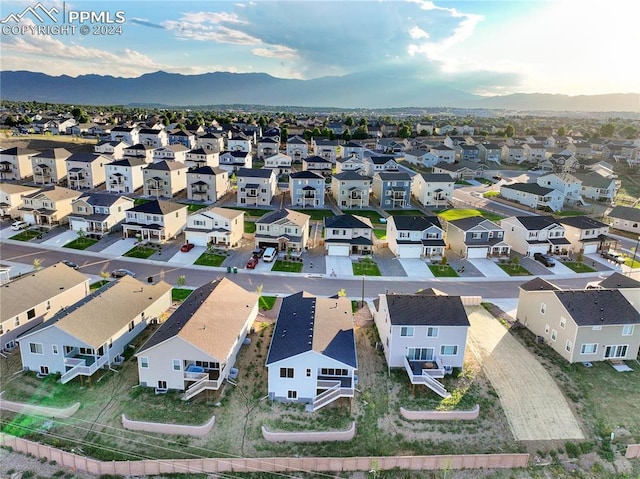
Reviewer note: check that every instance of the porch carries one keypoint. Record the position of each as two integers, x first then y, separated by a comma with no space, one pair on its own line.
201,376
81,363
331,388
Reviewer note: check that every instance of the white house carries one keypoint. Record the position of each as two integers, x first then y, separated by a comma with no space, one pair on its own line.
533,195
97,214
207,184
345,235
297,148
164,179
565,183
15,163
415,236
218,227
432,189
535,234
625,218
50,166
11,198
125,176
86,170
586,235
255,186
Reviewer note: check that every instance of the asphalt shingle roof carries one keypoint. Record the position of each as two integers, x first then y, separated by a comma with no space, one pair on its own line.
594,307
416,223
426,310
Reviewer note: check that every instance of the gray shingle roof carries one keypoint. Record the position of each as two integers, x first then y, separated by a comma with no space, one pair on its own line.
255,172
538,284
426,310
582,222
625,213
595,307
158,207
416,223
532,188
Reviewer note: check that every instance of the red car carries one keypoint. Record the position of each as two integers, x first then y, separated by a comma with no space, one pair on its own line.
252,263
187,247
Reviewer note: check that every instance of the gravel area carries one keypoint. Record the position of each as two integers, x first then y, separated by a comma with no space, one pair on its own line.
14,465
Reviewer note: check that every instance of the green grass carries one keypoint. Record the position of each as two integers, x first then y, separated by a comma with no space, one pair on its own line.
373,215
287,266
140,251
98,284
316,215
140,201
568,213
490,194
266,303
249,227
440,271
578,267
632,263
405,212
366,267
255,212
192,208
210,259
458,214
180,294
81,243
380,234
463,183
26,235
514,270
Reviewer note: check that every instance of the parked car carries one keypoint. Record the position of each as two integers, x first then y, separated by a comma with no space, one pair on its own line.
258,252
544,259
19,225
187,247
612,256
70,264
269,255
252,263
121,273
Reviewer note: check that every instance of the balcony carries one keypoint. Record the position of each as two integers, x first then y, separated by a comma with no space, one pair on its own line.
425,372
82,365
333,389
201,379
252,193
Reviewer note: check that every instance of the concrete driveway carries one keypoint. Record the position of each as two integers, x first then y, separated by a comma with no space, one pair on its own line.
488,268
415,268
339,266
61,239
535,407
120,247
6,233
189,257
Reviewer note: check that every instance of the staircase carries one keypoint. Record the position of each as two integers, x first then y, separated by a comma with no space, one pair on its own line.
426,380
334,392
200,385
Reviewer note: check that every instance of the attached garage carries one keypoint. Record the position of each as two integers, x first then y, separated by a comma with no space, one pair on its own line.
409,250
590,248
477,253
538,248
338,250
77,224
198,238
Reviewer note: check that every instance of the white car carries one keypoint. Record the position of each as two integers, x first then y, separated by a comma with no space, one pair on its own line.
19,225
269,255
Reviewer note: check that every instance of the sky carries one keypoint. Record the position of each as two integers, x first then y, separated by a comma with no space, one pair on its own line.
484,47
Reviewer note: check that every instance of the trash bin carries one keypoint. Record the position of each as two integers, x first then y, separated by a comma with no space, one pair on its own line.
150,279
228,269
235,270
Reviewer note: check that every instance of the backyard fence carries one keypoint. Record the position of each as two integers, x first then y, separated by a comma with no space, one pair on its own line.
310,436
440,415
164,428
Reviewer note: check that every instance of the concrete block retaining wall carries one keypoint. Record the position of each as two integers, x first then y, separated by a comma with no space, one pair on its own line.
163,428
440,415
39,410
319,436
633,451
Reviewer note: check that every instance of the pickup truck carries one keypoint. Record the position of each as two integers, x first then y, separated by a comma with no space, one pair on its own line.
612,256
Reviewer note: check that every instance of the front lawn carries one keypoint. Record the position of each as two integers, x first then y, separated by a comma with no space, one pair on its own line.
81,243
568,213
98,284
463,183
249,227
180,294
460,213
443,271
632,263
490,194
405,212
366,267
26,235
287,266
255,212
192,208
141,251
210,259
578,267
514,270
373,215
266,303
317,215
380,234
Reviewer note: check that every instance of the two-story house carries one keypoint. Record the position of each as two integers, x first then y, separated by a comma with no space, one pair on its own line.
352,163
153,137
392,189
565,183
200,157
239,142
211,142
328,149
533,195
351,189
461,170
255,186
15,163
380,163
182,137
432,189
11,198
33,298
312,356
48,207
174,152
164,179
81,339
97,214
586,235
513,154
280,163
194,350
86,170
217,227
139,151
534,152
625,218
444,153
352,149
415,236
528,235
465,152
317,164
297,148
345,235
267,146
127,134
490,153
307,189
232,161
207,184
125,176
115,149
50,166
283,230
422,158
424,333
477,237
580,325
595,186
155,221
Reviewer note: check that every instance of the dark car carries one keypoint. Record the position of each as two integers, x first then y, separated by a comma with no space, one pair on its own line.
258,252
544,259
612,256
121,273
252,263
70,264
185,248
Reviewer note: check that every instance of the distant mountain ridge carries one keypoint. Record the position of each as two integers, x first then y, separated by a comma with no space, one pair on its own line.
222,88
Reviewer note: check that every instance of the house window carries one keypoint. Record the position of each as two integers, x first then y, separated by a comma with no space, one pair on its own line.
546,328
176,365
308,372
554,335
589,348
131,326
448,350
36,348
563,322
543,308
420,354
568,345
476,236
16,322
617,351
406,331
54,348
286,372
627,330
31,314
432,332
144,362
292,395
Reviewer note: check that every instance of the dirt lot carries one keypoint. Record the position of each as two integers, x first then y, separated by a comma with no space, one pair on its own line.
41,142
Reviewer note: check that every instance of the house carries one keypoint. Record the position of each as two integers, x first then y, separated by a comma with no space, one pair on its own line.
422,158
477,237
200,157
50,166
174,152
489,153
15,163
306,189
444,153
328,149
232,161
164,179
297,148
153,137
351,189
211,142
267,146
565,163
380,163
415,236
35,297
345,235
425,334
11,198
597,187
513,154
432,189
140,151
94,332
48,207
115,149
533,195
255,186
127,134
565,183
280,163
461,170
317,164
97,214
125,176
629,287
528,235
283,230
182,137
534,152
350,164
390,145
625,218
155,221
587,235
466,152
352,149
207,184
195,349
239,142
217,227
86,170
312,356
580,325
393,190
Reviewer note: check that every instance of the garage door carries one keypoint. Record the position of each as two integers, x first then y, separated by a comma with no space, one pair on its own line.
590,248
409,251
338,250
198,239
475,253
77,225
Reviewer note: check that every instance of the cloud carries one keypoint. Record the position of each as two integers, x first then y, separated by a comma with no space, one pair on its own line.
144,22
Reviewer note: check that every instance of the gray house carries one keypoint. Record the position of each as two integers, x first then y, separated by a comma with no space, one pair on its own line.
306,189
477,237
350,189
393,190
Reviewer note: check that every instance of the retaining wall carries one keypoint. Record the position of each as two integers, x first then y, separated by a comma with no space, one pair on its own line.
633,451
164,428
39,410
440,415
318,436
471,300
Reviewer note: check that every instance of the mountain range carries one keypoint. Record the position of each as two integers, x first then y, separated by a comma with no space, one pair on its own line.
221,88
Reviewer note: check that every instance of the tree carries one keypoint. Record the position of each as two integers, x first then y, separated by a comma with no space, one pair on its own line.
349,121
607,129
444,262
562,131
346,134
361,133
284,134
182,280
515,262
404,131
37,263
509,131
